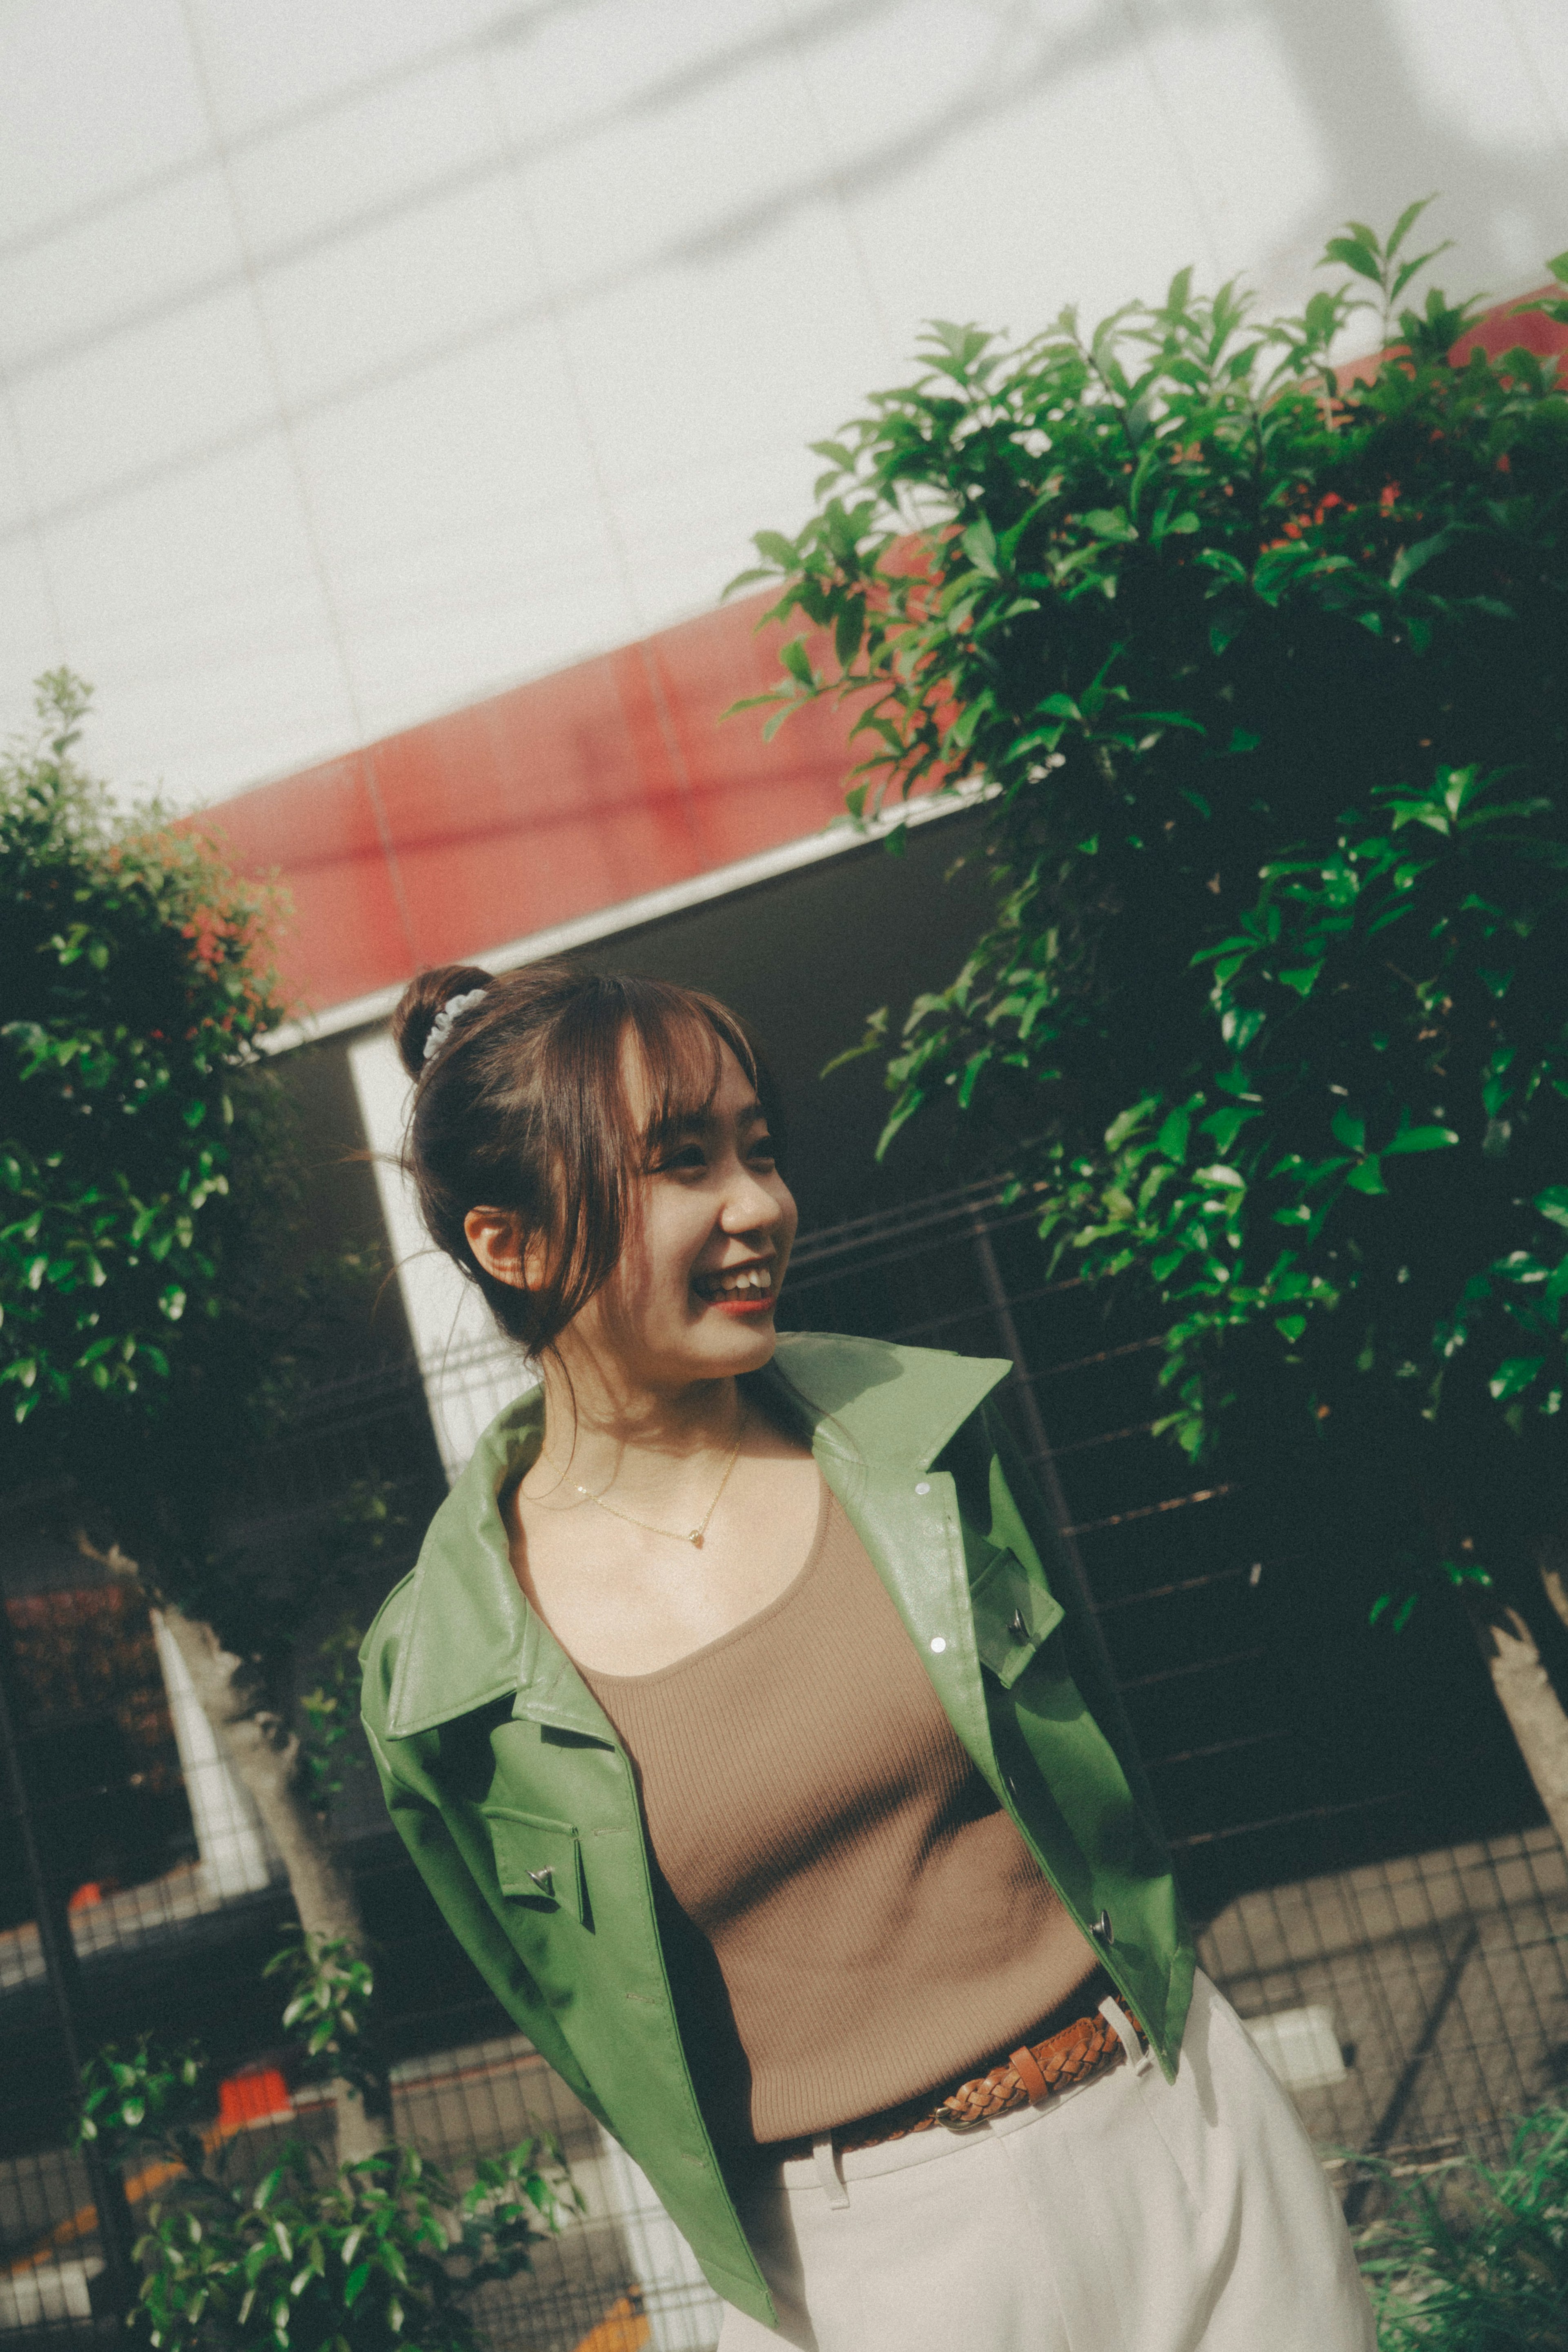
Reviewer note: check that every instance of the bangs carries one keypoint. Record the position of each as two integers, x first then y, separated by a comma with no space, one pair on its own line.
681,1036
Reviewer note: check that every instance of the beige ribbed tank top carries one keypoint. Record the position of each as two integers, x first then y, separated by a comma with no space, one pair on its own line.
848,1915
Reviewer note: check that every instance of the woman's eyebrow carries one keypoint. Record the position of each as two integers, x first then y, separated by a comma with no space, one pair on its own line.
707,1122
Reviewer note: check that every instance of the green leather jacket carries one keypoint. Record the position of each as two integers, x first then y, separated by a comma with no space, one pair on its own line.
520,1807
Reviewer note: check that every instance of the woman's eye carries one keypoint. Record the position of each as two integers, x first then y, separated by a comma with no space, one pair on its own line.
681,1163
762,1147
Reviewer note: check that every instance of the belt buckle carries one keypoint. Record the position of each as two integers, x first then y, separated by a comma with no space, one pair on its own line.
960,2122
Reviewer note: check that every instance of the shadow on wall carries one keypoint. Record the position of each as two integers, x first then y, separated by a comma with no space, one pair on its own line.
1380,132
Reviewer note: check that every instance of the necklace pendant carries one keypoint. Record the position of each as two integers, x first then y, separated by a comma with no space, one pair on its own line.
695,1536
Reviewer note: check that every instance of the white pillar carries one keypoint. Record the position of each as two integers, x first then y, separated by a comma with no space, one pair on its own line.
681,2308
229,1838
469,1368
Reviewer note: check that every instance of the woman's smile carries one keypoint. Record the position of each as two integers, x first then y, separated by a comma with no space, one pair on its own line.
747,1289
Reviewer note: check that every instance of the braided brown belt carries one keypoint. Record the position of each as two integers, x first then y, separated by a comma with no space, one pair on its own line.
1083,2049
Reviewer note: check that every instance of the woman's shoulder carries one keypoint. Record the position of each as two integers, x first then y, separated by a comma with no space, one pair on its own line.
885,1393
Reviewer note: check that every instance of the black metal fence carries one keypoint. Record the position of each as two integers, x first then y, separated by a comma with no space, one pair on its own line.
1356,1834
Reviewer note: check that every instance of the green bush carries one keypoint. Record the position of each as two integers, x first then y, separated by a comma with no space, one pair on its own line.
313,2257
134,982
1266,667
1469,2259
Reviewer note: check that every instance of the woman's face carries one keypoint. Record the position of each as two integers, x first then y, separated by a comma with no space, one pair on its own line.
693,1294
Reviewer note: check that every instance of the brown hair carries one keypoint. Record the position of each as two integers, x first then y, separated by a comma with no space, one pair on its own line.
522,1104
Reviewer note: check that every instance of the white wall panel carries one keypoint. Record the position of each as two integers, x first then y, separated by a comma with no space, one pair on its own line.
144,405
456,511
1540,28
1478,89
96,97
32,636
200,596
16,495
365,358
153,254
1252,144
371,155
1042,171
269,62
391,296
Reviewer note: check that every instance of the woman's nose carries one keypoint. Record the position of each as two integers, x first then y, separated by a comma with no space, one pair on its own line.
750,1207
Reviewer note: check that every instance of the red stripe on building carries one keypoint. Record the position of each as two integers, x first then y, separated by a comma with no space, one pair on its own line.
565,796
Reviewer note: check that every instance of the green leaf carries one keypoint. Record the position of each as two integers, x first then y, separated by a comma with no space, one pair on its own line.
1513,1377
1357,254
1110,522
980,547
1411,560
1553,1203
1422,1138
1171,1138
798,661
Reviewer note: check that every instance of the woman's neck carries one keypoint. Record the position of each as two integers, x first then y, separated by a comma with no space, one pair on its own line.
642,1442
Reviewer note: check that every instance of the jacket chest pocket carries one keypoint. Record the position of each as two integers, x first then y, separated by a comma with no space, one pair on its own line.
1013,1615
538,1862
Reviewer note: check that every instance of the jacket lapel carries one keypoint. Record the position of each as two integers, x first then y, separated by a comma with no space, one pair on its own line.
877,1415
880,1416
471,1635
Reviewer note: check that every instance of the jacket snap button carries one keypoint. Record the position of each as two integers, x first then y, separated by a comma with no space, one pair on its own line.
1018,1629
938,1645
1102,1930
923,1486
544,1880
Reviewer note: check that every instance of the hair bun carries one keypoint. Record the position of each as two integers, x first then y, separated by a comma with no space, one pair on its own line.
421,1003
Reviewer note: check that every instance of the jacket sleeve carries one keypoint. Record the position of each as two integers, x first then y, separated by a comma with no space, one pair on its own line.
1021,1520
462,1902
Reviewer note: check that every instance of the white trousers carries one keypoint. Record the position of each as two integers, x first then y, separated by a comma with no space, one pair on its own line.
1128,2215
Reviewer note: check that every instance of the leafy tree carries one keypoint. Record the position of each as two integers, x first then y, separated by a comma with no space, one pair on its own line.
383,2250
151,1335
1265,663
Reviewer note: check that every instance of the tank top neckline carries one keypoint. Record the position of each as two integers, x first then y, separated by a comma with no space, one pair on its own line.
595,1677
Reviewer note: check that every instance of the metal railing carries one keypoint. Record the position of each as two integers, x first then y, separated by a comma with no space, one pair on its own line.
1374,1886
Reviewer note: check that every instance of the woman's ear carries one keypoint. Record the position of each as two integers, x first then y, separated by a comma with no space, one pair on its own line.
495,1238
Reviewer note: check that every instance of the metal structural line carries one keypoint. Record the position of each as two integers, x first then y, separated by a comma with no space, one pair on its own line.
1282,1821
1152,1510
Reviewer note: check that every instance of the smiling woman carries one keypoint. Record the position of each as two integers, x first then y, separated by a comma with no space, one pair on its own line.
735,1723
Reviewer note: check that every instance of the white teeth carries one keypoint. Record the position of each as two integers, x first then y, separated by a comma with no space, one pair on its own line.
746,1277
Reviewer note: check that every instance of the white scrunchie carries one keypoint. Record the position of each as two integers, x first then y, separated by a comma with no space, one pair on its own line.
441,1027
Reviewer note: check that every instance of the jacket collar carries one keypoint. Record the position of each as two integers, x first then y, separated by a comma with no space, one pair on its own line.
470,1637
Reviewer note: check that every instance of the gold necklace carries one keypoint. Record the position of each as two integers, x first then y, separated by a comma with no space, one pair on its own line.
675,1535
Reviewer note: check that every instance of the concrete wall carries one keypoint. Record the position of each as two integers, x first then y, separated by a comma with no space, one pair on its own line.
359,357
